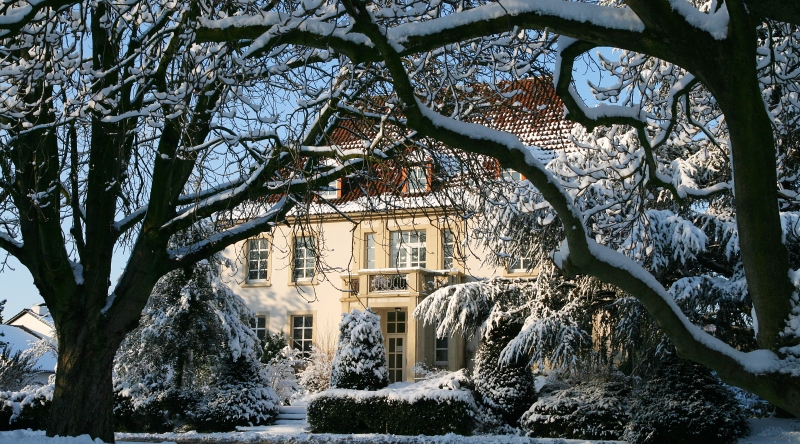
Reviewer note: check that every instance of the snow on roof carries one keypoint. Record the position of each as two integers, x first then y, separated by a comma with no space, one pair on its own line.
46,318
529,109
19,339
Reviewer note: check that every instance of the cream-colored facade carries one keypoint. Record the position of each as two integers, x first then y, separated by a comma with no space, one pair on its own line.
355,271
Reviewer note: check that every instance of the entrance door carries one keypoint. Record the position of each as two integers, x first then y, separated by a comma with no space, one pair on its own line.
396,344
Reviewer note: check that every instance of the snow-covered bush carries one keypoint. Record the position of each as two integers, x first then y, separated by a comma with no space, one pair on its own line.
590,410
273,345
360,360
17,368
684,402
316,376
164,411
26,409
433,407
241,396
281,373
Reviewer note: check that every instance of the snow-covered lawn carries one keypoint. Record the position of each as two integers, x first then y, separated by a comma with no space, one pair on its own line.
764,431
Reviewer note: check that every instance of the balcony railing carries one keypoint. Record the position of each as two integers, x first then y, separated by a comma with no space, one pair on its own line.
388,282
416,281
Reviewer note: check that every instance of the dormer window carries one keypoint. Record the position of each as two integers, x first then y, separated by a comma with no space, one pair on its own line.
330,191
511,175
417,180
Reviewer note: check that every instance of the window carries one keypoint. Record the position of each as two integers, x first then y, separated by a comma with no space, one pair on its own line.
258,256
370,256
440,351
520,264
511,175
396,322
448,249
260,324
408,249
302,333
304,253
417,180
331,191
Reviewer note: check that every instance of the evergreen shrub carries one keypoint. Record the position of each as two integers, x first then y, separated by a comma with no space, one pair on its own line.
360,359
591,410
685,402
26,409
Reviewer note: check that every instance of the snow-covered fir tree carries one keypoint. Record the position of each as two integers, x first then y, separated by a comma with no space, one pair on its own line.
360,359
504,388
194,342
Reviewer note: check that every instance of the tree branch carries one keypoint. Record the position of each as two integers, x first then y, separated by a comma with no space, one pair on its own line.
759,372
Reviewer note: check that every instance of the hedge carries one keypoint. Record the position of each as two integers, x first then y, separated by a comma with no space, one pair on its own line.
340,413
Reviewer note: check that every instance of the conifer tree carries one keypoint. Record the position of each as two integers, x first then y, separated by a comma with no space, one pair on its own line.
504,388
194,344
360,360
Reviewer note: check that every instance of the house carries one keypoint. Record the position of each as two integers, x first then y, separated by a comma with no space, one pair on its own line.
25,329
358,250
36,320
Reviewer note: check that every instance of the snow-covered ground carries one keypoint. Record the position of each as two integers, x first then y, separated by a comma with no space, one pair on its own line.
764,431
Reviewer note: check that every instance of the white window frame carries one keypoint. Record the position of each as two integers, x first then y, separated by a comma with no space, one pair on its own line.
370,251
448,250
306,257
520,264
511,175
417,181
261,263
443,347
260,316
405,245
306,339
331,191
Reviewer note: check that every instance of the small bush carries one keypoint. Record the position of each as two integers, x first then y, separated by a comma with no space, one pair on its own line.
316,376
26,409
684,402
168,411
341,414
229,406
593,410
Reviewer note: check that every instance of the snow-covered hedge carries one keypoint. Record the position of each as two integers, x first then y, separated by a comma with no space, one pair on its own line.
433,407
26,409
592,410
684,402
360,360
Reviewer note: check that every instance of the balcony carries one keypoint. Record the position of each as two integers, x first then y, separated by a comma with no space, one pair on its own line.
413,281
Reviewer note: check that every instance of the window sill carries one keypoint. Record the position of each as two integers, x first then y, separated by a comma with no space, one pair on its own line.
522,273
304,282
247,284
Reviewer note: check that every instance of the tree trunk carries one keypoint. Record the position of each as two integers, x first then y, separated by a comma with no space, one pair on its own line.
83,400
732,77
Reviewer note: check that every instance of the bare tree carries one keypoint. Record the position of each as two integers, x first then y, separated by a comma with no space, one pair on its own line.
119,131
